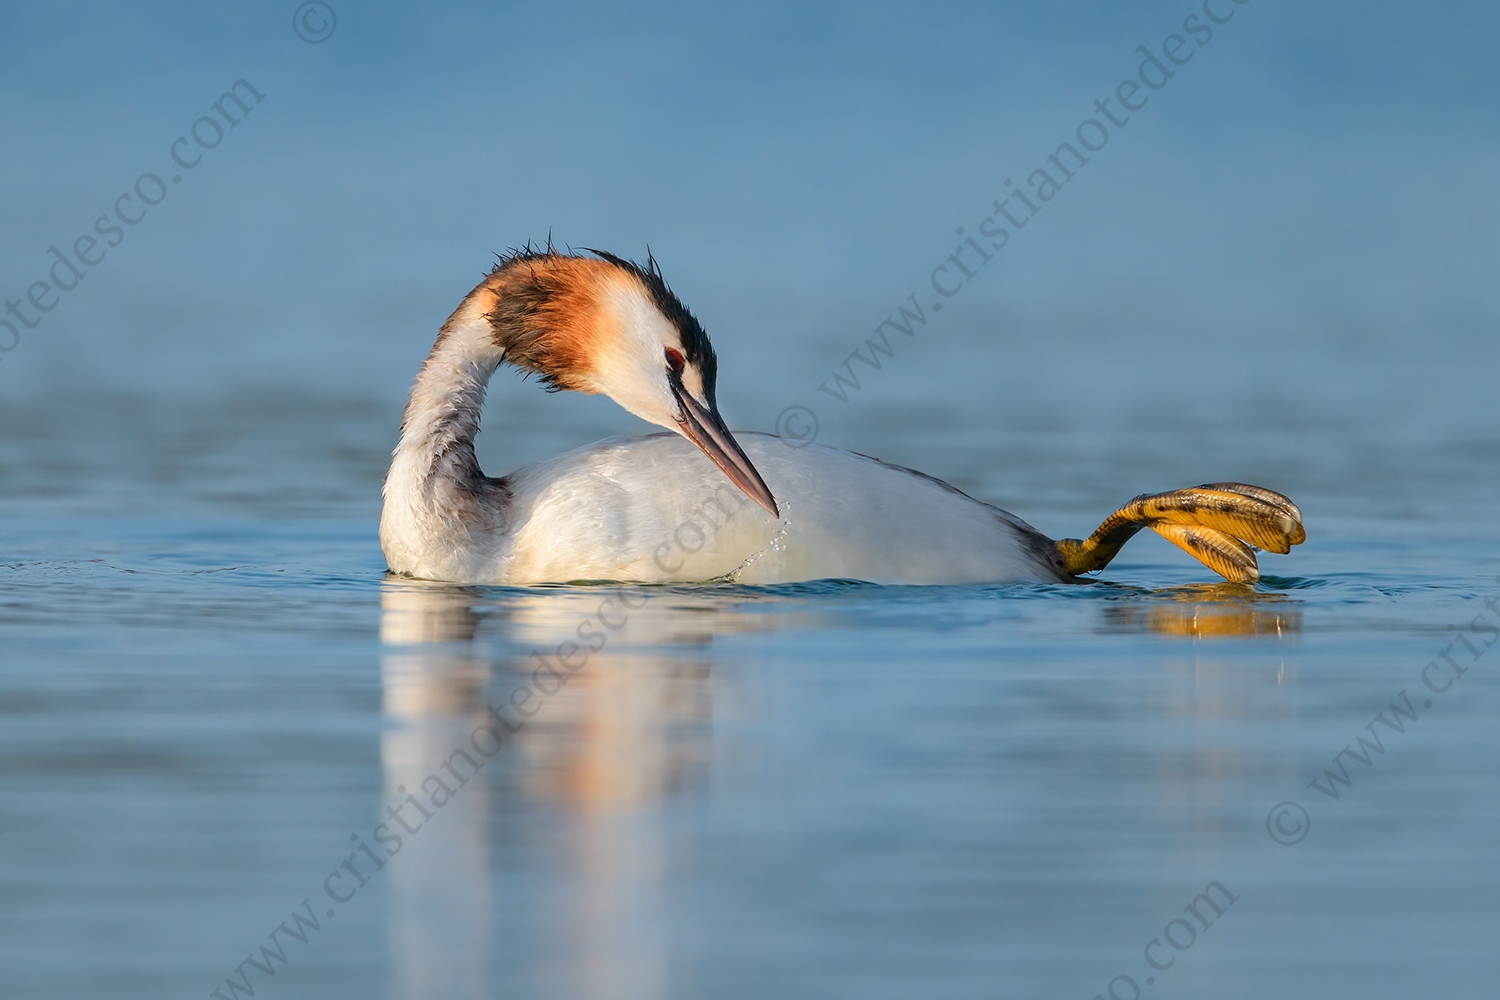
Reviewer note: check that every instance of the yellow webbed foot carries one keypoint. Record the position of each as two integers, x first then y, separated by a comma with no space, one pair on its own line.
1217,524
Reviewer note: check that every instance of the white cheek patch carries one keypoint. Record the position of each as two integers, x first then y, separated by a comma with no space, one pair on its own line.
632,369
644,331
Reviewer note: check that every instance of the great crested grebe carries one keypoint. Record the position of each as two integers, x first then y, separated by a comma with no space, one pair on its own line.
652,510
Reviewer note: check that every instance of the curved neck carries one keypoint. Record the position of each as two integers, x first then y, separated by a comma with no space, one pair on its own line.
442,415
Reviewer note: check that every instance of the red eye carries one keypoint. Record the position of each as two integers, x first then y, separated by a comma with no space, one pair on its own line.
675,360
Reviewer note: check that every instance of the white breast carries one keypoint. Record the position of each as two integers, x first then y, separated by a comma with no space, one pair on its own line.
655,509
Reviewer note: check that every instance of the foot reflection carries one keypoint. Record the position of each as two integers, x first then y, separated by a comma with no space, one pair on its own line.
1205,609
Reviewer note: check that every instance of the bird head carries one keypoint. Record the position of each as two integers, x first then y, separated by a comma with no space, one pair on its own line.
607,325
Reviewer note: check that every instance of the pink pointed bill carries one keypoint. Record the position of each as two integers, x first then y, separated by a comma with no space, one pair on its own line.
705,428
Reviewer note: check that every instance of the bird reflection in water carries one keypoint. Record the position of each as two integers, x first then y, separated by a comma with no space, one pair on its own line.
600,705
592,742
433,682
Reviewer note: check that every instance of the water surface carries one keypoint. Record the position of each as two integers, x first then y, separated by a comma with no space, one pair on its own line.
832,789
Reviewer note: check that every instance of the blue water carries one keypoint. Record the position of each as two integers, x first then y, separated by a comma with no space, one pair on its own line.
212,697
830,789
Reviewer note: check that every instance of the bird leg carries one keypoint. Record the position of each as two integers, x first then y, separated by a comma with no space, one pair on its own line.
1213,523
